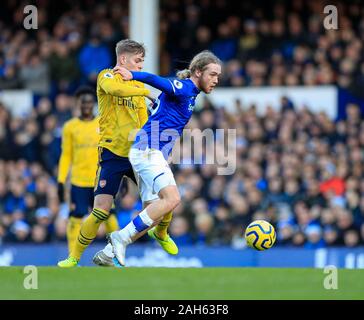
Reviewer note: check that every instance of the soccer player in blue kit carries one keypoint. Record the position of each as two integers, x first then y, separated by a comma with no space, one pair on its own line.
154,142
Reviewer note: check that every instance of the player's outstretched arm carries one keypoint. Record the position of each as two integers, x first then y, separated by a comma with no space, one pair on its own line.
109,85
153,80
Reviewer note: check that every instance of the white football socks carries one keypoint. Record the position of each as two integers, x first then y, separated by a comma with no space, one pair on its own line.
138,224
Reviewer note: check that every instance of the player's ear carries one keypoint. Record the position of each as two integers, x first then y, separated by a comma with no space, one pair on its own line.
122,59
198,73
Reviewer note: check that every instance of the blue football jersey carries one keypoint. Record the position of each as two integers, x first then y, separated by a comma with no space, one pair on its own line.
169,114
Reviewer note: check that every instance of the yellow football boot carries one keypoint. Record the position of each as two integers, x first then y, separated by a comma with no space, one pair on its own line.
167,244
70,262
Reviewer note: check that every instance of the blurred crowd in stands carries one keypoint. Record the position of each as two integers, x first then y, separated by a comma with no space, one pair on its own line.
301,171
281,43
278,43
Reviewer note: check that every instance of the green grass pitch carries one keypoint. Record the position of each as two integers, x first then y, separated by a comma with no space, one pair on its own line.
180,284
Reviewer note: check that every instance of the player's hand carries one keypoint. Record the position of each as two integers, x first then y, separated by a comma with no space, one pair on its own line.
60,192
125,73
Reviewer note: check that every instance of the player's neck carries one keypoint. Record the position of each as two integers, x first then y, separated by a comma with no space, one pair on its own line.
195,82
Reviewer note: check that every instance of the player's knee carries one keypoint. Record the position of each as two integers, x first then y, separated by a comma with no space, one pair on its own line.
172,197
173,201
103,201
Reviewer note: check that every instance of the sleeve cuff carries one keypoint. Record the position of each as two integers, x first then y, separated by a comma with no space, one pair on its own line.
135,75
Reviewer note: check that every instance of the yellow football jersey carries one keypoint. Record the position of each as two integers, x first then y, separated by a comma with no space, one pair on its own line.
122,109
79,151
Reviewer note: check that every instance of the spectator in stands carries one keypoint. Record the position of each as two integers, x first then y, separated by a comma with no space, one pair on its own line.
351,238
225,45
35,75
10,79
63,106
39,234
204,226
64,68
179,231
330,236
314,237
93,58
19,232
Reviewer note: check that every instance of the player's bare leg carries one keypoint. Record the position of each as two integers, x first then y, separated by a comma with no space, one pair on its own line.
169,199
105,256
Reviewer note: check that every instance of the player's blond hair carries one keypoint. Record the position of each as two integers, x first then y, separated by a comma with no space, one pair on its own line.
129,46
199,62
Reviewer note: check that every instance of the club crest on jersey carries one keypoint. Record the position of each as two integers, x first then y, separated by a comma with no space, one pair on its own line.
108,75
102,183
178,84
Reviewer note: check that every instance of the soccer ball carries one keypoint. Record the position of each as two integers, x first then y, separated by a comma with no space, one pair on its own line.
260,235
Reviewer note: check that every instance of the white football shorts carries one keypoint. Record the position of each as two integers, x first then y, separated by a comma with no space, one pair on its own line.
151,171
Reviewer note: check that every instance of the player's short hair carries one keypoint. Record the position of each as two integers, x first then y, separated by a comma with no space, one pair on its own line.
199,62
84,90
129,46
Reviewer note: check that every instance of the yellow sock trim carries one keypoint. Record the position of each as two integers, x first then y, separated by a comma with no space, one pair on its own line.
162,227
100,214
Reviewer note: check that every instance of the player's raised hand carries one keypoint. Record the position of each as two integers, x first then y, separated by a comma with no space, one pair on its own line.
125,73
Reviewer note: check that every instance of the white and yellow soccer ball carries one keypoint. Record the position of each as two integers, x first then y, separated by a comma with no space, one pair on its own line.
260,235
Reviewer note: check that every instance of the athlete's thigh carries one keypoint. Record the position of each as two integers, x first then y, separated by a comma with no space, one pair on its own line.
140,164
151,170
111,170
146,192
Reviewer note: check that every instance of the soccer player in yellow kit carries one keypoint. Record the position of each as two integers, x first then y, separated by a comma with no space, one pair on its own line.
122,109
80,138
